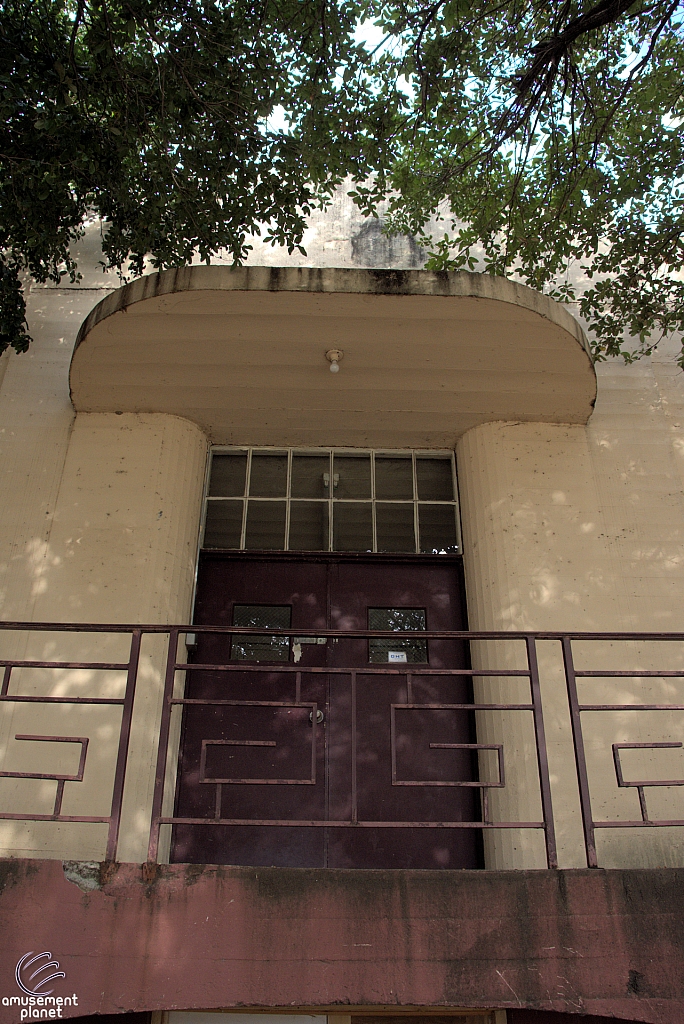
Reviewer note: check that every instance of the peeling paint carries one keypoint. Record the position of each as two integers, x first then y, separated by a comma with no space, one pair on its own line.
83,873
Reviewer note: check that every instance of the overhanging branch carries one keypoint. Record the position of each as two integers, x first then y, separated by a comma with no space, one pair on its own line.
549,52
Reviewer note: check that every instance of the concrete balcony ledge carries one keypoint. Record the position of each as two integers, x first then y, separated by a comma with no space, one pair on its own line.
133,937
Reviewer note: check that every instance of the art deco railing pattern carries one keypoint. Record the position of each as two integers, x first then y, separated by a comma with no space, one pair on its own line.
16,671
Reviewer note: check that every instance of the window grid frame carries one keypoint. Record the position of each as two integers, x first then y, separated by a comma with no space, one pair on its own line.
331,500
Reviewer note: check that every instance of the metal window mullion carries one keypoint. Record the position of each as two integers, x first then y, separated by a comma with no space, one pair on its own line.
331,469
288,493
248,477
416,529
374,517
457,502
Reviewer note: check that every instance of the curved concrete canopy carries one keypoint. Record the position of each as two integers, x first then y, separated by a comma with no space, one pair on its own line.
241,352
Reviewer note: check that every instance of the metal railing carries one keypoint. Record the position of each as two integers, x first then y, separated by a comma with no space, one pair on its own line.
130,667
294,674
576,709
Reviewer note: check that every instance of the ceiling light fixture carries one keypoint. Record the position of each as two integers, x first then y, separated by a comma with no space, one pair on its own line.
333,355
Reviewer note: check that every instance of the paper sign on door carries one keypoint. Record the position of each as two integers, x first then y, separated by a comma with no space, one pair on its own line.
397,656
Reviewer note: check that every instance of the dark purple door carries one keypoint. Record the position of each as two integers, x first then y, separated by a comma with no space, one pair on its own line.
344,751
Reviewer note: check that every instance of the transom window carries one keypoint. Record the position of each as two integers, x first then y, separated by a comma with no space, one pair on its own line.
264,499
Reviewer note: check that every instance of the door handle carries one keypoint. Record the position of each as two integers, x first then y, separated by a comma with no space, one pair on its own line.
319,717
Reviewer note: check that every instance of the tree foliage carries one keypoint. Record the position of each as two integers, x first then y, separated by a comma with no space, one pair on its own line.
548,135
153,115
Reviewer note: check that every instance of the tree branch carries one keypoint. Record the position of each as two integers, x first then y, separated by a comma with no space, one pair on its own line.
549,52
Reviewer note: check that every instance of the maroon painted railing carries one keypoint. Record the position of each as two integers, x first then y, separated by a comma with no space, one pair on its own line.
130,667
533,706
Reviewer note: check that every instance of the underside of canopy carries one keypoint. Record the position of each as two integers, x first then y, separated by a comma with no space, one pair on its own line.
241,351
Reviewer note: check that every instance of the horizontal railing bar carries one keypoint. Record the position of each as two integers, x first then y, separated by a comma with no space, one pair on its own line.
295,704
100,627
52,817
277,823
653,783
629,674
100,665
631,707
21,699
82,627
639,824
460,634
415,668
246,703
37,775
354,634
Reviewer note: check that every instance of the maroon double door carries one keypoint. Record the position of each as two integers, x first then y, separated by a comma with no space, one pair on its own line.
341,752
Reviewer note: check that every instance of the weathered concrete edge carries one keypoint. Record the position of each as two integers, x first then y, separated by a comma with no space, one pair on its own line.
335,280
146,937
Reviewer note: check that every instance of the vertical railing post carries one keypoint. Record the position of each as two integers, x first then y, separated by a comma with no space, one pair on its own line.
354,753
124,739
163,749
542,756
580,759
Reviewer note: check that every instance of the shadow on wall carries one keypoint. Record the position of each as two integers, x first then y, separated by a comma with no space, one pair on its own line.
372,248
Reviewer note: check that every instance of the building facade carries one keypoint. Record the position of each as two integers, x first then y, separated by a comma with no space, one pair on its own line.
353,694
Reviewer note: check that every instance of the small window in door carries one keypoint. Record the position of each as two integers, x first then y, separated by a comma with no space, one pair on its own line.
383,651
261,648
